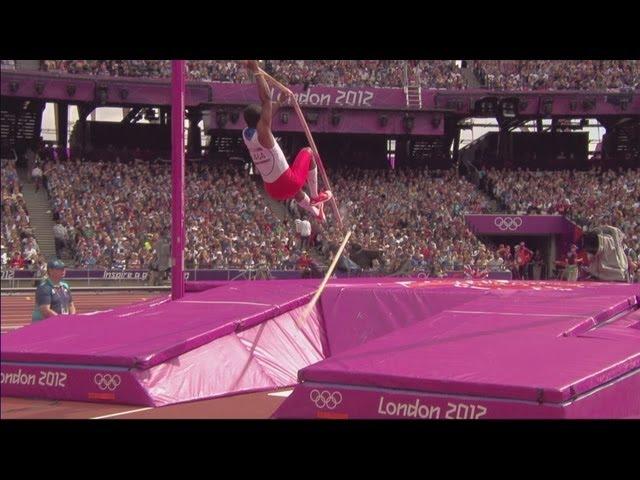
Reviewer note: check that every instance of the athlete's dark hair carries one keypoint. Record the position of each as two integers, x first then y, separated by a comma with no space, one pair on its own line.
252,115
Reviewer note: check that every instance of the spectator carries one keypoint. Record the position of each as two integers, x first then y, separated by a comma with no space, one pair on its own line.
17,261
571,270
305,233
538,265
523,257
36,174
60,237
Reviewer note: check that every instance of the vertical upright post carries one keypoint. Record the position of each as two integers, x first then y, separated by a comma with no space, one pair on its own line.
62,125
177,178
456,150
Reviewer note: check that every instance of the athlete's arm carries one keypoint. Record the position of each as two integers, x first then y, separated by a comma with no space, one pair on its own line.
43,300
264,124
47,312
72,308
264,92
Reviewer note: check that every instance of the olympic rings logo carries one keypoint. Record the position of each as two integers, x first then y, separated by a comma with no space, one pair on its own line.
326,399
507,223
107,381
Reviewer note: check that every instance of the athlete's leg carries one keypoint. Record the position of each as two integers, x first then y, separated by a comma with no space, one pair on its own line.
310,174
312,177
303,200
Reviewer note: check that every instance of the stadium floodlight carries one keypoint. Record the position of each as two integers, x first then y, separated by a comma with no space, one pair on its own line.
508,109
588,104
312,117
102,94
455,104
408,122
486,106
547,106
221,118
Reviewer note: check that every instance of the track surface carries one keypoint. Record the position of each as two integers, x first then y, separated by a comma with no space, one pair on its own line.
16,313
248,406
16,309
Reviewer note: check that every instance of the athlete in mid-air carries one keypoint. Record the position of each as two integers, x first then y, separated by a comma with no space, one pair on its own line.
281,181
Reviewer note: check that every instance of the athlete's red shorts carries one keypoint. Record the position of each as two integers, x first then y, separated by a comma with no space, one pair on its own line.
293,178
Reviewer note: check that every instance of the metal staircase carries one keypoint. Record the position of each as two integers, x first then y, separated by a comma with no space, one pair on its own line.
40,216
412,88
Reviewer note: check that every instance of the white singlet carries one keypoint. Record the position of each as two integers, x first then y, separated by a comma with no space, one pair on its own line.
271,163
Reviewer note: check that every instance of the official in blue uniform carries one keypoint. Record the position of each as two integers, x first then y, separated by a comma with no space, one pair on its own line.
53,296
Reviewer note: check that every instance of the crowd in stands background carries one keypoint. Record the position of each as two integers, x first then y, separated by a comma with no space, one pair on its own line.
493,74
112,214
558,74
18,248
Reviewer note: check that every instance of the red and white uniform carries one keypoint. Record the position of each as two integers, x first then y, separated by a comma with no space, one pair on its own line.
280,180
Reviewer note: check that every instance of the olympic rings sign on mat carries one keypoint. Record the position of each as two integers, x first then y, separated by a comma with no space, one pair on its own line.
508,223
326,399
107,381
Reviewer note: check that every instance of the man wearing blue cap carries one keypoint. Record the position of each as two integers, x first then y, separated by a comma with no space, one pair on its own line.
53,296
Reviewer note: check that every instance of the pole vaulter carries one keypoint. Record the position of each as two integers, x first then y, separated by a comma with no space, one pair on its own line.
282,181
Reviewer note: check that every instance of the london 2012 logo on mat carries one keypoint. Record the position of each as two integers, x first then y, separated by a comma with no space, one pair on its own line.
107,381
325,398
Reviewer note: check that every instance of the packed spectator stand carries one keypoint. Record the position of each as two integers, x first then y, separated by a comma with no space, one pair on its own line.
19,248
406,221
558,74
492,74
115,212
590,198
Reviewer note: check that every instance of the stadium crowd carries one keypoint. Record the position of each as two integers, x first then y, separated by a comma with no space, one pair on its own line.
337,73
406,221
376,73
493,74
558,74
411,221
19,248
414,220
115,212
591,198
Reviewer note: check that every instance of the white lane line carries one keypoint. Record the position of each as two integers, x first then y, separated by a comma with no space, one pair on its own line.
130,313
159,303
284,393
577,315
230,303
121,413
